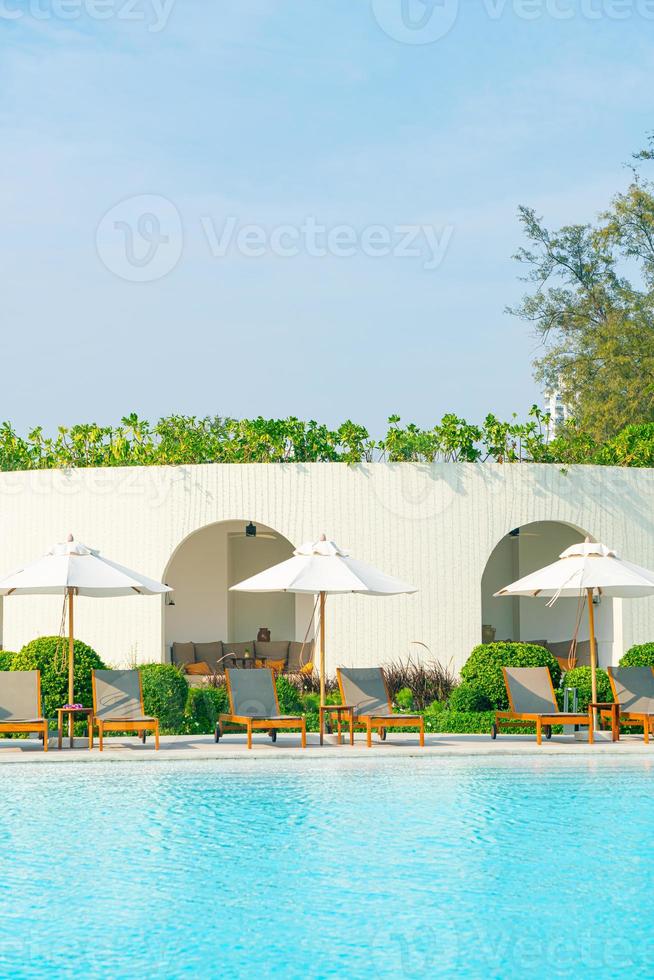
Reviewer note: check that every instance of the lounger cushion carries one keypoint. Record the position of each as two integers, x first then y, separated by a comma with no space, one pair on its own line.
182,654
275,650
19,695
364,688
117,695
634,688
252,693
530,690
297,658
209,653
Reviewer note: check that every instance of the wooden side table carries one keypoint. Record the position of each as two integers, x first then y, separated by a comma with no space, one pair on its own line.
343,712
604,707
71,712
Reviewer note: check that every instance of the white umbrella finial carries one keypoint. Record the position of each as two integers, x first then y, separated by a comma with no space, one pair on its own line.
323,537
70,537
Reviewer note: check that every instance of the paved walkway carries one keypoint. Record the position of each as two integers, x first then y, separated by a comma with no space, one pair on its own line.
177,747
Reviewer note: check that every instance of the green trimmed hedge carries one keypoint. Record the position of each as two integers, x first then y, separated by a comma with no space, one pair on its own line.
483,669
468,697
439,718
6,659
641,655
165,693
203,706
580,677
49,654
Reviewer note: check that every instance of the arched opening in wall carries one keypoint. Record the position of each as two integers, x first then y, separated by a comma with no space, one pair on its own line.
526,549
201,572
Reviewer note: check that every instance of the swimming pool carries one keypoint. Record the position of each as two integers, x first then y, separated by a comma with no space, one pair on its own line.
292,868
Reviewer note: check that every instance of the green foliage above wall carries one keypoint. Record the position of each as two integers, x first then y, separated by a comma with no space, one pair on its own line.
185,440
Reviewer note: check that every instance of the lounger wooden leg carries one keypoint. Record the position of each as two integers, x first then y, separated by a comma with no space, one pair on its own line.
100,736
304,734
338,727
249,731
646,729
591,728
90,733
45,737
156,736
422,733
369,734
351,728
539,732
60,730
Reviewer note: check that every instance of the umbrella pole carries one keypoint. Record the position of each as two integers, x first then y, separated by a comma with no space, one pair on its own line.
593,653
322,647
71,665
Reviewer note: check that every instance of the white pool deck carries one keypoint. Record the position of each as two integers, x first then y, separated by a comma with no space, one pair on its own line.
203,747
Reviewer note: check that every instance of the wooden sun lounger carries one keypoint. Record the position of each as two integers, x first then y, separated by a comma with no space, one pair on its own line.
365,689
118,706
20,704
531,695
254,705
633,689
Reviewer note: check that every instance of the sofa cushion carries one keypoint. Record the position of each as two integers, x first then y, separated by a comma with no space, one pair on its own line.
209,653
182,654
297,658
275,649
201,669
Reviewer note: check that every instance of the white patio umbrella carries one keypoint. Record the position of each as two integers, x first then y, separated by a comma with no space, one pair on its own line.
71,569
318,568
585,570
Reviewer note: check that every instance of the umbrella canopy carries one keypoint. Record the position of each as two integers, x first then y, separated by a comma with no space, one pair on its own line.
321,567
586,569
585,566
71,569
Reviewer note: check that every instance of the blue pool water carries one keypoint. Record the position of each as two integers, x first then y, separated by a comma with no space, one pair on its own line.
400,868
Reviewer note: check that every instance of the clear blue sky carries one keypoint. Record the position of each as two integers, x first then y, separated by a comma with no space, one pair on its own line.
269,113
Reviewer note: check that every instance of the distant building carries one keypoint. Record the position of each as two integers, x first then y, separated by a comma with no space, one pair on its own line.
557,410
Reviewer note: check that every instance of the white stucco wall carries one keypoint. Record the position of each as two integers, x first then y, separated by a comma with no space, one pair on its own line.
432,525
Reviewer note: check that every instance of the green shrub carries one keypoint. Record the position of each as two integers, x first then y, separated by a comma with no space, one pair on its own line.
49,654
6,658
203,706
641,655
404,699
440,719
288,697
165,693
468,697
580,677
483,668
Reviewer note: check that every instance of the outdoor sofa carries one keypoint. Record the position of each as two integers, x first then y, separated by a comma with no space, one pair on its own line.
20,704
254,705
366,691
531,696
200,661
118,706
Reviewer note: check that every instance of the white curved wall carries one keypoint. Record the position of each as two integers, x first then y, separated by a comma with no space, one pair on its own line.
432,525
